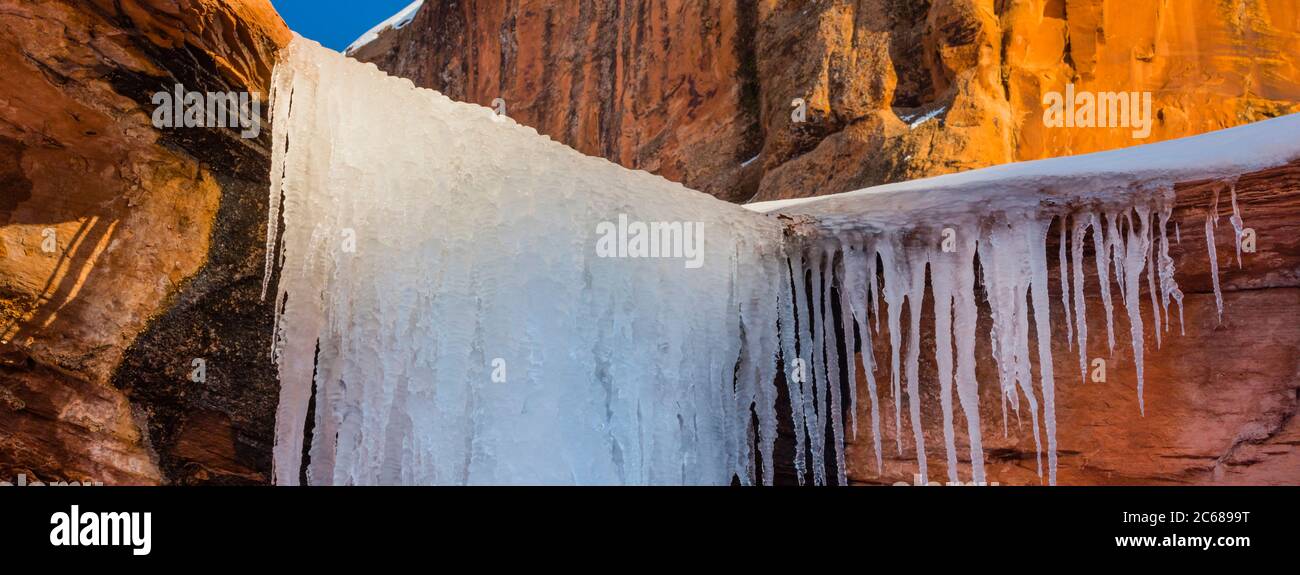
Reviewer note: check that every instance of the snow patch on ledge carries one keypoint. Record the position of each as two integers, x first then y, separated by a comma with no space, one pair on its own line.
1101,177
396,22
915,121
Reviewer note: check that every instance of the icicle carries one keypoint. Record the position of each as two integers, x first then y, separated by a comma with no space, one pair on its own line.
965,318
860,275
1065,284
1081,223
846,325
743,391
1115,241
816,394
832,362
873,286
1103,277
802,372
1137,248
765,319
281,103
1037,241
1151,290
1004,255
789,339
916,262
300,319
943,278
1168,285
1238,226
1212,221
894,293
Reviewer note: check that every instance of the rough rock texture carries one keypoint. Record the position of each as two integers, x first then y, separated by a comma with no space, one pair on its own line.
143,225
694,91
667,87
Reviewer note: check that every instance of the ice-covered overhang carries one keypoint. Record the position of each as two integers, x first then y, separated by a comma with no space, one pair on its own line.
1097,179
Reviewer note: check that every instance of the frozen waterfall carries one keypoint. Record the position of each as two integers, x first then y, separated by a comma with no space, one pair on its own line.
442,297
464,301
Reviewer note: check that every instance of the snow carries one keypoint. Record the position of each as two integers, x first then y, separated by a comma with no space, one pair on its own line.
395,22
1109,176
443,301
915,121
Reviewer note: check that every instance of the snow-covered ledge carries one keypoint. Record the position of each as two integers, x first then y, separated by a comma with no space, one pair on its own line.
1103,177
900,232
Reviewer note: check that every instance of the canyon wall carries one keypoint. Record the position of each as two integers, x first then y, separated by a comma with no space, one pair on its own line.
129,251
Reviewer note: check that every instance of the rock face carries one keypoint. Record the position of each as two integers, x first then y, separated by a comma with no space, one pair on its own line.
702,92
155,236
667,87
111,230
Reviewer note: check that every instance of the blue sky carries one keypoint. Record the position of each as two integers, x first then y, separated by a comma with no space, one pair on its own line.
336,23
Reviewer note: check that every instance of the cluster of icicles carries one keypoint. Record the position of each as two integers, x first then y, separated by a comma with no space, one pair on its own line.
880,274
1012,253
473,240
